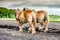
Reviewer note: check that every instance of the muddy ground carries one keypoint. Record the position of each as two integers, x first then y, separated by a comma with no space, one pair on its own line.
9,31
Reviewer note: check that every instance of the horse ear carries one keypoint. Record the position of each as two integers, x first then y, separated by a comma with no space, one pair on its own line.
24,9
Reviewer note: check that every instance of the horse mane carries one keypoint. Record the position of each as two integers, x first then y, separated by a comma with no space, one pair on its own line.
40,11
24,9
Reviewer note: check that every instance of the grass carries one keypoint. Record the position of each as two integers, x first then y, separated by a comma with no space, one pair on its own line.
51,20
7,19
55,20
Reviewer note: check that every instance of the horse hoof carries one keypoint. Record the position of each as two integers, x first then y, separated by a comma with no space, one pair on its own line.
34,32
40,28
29,31
20,30
45,31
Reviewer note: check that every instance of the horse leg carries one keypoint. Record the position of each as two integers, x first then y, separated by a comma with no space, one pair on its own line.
46,26
34,23
46,23
20,27
32,27
29,29
41,26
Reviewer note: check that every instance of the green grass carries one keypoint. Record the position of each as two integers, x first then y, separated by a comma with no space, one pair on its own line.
51,20
7,19
55,20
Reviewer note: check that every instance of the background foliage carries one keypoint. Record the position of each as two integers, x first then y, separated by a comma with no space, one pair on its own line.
7,13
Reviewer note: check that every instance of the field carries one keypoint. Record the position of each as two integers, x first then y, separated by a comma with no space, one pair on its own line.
9,31
9,28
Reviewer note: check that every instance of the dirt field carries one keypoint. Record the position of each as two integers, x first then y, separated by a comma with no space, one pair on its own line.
9,31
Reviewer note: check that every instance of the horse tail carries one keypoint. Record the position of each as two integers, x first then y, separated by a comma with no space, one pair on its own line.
46,19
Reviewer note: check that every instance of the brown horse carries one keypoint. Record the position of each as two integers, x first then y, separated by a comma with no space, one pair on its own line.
24,17
42,18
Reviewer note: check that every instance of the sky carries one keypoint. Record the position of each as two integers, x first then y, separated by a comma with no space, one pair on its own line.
51,6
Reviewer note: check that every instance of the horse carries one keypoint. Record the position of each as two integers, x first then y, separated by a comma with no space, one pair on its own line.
42,17
25,16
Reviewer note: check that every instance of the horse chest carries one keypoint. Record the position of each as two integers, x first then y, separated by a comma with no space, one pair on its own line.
23,20
42,17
